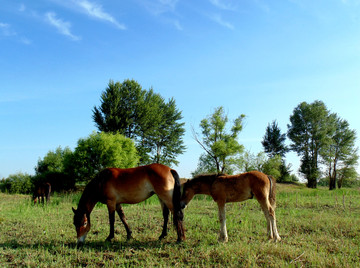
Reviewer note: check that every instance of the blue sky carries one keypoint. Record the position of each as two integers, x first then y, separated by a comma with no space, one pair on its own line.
254,57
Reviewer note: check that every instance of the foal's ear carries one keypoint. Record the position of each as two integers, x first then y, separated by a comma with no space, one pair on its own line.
74,210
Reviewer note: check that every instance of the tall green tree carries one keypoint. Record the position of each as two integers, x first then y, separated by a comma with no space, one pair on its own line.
120,108
274,145
274,141
310,130
99,151
219,143
145,117
340,153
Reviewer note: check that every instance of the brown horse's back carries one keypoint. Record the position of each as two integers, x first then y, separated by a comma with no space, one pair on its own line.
134,185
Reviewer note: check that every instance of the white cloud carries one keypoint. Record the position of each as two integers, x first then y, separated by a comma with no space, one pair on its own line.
96,11
219,20
22,8
158,7
178,25
62,26
225,5
6,30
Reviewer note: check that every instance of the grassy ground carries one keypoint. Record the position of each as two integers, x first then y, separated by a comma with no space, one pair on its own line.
319,228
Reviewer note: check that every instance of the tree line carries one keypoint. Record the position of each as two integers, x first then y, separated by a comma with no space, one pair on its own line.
137,126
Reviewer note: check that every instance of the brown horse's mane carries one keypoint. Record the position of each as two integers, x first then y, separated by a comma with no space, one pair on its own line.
90,191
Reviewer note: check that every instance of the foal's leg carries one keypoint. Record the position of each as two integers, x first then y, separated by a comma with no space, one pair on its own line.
222,217
165,211
269,213
123,220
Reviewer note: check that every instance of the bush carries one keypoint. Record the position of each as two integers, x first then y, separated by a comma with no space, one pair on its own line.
20,183
99,151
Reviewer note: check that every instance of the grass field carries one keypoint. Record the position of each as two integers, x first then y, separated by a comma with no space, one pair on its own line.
319,228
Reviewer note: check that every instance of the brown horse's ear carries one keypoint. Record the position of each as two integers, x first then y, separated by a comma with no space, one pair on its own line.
74,210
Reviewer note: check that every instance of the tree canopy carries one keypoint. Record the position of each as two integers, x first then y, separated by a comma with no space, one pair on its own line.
220,144
145,117
274,141
340,155
99,151
309,130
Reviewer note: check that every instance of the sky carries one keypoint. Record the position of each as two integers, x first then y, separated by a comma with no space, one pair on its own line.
254,57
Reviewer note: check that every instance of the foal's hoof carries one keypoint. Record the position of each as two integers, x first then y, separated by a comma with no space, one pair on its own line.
223,239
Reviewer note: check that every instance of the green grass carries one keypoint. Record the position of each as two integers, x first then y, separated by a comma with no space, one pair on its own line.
319,228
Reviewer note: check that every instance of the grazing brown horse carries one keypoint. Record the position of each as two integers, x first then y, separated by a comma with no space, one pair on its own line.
42,190
236,188
115,186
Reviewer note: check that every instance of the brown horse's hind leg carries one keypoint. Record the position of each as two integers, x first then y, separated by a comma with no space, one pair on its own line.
165,211
123,220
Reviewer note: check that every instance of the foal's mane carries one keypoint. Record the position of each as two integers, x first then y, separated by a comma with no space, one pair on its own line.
204,178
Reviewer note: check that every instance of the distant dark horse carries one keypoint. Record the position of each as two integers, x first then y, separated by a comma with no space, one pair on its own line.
42,190
115,186
236,188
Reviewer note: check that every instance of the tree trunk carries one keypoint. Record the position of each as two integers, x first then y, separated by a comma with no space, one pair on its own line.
332,183
312,183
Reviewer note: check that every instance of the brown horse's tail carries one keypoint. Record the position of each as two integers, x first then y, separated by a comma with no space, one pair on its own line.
178,214
272,191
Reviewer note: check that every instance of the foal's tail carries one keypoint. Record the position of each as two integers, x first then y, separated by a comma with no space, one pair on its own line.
178,214
272,191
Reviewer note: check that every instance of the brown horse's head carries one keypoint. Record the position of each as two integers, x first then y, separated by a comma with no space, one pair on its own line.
187,194
82,225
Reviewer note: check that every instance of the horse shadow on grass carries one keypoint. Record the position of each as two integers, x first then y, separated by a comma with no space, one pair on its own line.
93,245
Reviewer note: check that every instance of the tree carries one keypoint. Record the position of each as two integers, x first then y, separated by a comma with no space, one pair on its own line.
119,109
53,161
99,151
220,144
273,141
160,138
340,153
145,117
274,145
309,130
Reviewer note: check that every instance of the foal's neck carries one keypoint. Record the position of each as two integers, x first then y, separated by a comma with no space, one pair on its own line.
203,188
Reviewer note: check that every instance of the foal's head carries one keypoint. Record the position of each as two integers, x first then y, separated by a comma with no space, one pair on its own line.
187,194
82,225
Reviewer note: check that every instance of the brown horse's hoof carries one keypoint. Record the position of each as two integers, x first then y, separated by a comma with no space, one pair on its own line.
161,237
108,239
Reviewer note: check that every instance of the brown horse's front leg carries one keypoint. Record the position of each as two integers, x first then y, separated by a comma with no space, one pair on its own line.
165,211
111,222
123,220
